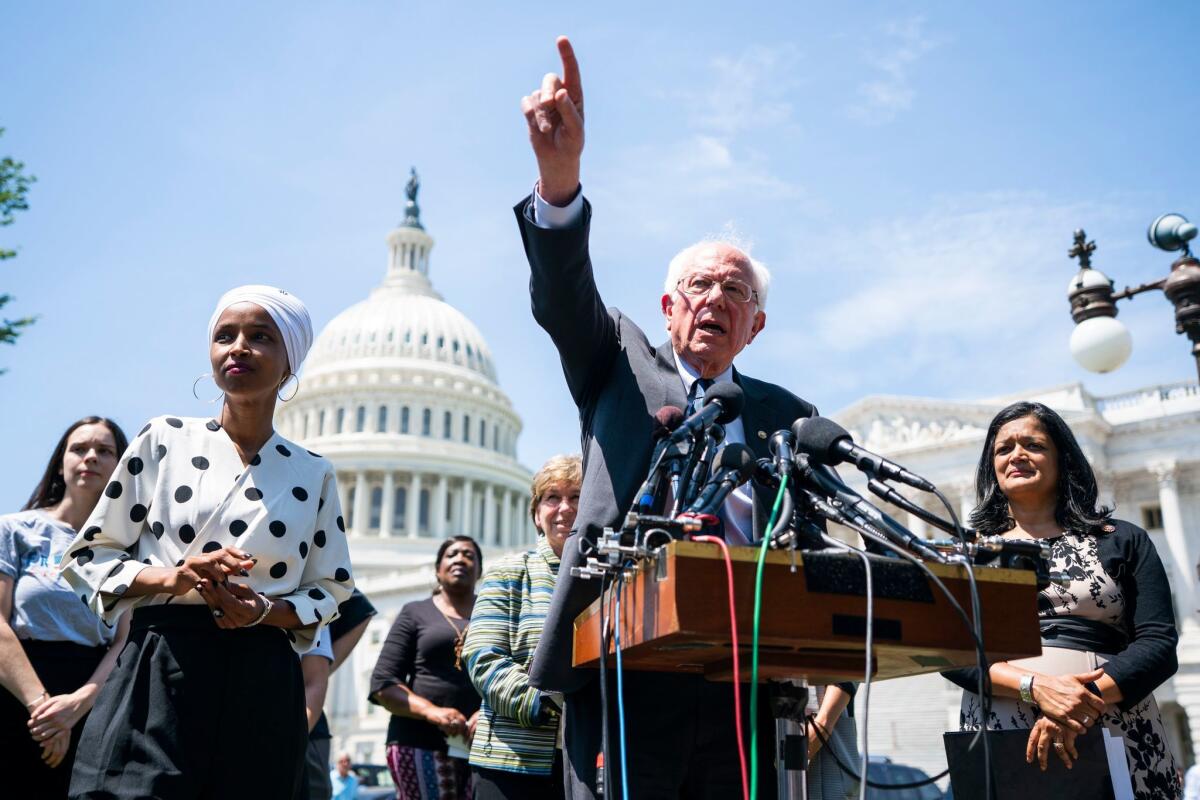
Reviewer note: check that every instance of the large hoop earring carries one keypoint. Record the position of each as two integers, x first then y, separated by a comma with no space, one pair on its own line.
283,399
197,382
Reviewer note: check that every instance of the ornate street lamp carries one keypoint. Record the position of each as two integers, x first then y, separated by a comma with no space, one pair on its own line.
1099,342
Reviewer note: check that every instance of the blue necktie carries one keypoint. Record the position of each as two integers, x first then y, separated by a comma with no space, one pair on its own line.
699,389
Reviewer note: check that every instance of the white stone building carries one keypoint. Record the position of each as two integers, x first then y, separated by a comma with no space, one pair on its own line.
1145,449
401,394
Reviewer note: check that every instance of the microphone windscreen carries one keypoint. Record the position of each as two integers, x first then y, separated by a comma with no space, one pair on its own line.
738,457
667,419
730,396
818,436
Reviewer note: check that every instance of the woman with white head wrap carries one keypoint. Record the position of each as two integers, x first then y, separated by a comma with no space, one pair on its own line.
226,542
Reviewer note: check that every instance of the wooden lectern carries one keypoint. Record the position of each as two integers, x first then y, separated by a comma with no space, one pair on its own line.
675,616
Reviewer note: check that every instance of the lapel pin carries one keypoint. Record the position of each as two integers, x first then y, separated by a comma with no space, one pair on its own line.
762,434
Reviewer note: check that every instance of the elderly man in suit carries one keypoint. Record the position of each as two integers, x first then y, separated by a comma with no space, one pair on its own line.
681,740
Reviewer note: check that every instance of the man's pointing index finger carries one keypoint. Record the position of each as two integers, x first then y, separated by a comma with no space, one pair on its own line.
571,80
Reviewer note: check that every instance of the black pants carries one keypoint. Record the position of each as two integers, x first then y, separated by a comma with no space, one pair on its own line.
498,784
195,712
681,737
62,667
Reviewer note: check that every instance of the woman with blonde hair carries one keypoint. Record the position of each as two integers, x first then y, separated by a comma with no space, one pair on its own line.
514,753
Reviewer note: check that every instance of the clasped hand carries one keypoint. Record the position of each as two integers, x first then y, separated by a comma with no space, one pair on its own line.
1066,700
208,573
51,721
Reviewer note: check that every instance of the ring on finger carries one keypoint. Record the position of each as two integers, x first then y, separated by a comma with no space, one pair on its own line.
1086,719
1058,745
217,613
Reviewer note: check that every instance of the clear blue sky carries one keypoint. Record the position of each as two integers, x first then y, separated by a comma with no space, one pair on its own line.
911,172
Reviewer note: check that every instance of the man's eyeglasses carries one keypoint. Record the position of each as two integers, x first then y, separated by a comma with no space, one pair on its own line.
736,290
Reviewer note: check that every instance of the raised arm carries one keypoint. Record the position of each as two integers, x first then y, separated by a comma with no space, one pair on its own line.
565,300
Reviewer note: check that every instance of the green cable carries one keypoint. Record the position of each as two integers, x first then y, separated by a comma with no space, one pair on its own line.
762,559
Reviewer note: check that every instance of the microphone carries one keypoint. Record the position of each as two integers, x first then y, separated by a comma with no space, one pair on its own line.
666,420
722,403
830,443
857,508
734,465
780,445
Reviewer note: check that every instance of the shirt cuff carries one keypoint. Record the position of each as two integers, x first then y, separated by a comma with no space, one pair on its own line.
550,216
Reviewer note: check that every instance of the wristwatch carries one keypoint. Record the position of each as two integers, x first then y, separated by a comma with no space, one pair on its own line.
1026,688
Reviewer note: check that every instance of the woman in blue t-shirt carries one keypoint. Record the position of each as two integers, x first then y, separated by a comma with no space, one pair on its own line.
55,653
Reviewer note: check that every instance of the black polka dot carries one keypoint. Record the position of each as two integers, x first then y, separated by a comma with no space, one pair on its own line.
319,538
83,555
137,512
125,556
175,422
160,451
83,597
254,462
341,575
299,493
320,503
113,490
318,614
237,527
341,523
314,455
210,547
304,549
213,425
316,594
143,430
186,534
283,451
147,561
200,462
157,529
183,494
134,465
277,528
278,570
254,494
91,532
179,563
120,566
120,590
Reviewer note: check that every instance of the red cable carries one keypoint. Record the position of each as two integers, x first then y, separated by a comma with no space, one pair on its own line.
737,679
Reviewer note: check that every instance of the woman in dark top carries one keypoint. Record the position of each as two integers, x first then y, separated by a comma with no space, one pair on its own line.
1108,639
420,679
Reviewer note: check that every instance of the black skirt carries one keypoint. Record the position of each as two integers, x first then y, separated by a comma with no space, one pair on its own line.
62,667
195,711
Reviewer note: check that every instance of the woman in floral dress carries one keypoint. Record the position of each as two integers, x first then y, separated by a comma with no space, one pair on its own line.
1108,638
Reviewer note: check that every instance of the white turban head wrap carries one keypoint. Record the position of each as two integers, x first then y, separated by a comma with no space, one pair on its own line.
289,314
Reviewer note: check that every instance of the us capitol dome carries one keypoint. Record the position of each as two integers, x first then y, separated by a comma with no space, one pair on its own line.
400,392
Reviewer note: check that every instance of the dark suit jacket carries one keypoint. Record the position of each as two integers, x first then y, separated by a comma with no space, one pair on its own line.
618,381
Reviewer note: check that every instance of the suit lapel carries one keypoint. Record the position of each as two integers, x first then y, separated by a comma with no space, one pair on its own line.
756,416
673,393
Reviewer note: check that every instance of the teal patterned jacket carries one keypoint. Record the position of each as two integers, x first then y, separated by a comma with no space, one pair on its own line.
507,622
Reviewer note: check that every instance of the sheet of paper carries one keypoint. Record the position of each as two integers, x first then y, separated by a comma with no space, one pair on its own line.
1118,766
458,747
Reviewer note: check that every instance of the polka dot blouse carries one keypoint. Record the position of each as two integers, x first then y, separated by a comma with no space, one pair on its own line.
181,489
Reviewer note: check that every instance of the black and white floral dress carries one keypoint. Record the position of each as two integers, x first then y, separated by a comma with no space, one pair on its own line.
1092,594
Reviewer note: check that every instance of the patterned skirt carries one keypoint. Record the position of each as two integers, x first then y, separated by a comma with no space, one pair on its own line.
1151,763
428,774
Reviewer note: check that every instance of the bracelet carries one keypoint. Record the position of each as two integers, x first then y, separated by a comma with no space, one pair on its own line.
37,699
267,606
1026,688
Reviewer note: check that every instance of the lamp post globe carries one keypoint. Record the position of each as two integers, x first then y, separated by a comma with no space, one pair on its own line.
1101,344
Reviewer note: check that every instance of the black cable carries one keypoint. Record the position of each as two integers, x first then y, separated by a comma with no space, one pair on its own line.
833,752
985,677
604,694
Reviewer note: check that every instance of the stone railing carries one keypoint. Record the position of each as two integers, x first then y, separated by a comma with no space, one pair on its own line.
1154,401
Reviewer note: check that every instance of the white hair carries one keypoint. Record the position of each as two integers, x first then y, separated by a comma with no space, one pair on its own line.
685,257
